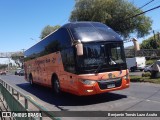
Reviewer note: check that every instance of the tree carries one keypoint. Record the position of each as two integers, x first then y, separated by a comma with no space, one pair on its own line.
116,14
151,43
47,30
3,66
18,58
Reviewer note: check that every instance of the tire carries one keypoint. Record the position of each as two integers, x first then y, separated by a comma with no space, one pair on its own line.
56,86
132,69
31,80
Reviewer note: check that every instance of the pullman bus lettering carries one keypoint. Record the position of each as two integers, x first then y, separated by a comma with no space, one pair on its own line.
82,58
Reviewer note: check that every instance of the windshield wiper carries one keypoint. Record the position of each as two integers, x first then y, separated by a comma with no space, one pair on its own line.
99,67
112,62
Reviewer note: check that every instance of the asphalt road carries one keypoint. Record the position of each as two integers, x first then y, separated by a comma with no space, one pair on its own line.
139,97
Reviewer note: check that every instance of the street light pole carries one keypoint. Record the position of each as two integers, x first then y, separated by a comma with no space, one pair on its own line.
8,63
22,58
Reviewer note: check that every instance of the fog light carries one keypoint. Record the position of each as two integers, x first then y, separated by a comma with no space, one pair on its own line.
89,90
126,76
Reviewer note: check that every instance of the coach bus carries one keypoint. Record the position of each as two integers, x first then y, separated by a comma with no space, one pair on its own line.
82,58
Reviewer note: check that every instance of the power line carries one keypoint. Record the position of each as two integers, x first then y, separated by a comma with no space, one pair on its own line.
145,4
122,21
138,15
152,4
128,40
141,7
143,12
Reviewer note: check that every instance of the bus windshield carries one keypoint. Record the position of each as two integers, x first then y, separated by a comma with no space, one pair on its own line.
109,55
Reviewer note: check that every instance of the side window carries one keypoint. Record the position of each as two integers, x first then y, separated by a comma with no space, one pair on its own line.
64,38
56,42
68,60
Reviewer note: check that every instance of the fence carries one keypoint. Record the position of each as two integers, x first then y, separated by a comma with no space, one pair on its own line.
17,102
148,53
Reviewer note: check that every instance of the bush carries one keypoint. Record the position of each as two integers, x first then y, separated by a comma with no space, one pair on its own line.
147,74
144,79
150,62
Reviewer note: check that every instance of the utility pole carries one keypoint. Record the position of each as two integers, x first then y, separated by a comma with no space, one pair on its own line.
158,35
154,35
155,39
22,59
8,63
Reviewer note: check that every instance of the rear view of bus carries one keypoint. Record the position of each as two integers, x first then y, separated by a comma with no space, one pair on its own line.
93,61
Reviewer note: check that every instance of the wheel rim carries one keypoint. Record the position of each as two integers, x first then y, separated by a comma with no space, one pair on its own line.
56,86
31,82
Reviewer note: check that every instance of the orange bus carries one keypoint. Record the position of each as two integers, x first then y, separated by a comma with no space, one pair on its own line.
82,58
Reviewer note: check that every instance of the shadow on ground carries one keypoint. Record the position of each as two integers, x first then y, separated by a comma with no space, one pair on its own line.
66,99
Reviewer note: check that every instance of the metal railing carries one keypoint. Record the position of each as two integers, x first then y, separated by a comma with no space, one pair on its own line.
17,102
149,53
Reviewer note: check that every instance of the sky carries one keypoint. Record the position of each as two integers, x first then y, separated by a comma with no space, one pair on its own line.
22,21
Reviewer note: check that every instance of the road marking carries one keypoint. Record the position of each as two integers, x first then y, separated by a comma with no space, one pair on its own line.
152,101
148,100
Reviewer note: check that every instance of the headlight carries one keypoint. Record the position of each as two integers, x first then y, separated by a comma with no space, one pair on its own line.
126,76
88,82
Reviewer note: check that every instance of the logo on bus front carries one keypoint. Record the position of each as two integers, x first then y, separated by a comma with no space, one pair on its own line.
110,76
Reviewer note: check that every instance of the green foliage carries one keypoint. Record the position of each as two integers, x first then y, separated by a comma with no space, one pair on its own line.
150,43
47,30
147,74
18,58
150,62
144,79
114,13
3,66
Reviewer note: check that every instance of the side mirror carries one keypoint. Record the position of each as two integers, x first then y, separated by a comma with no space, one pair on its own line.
79,48
136,44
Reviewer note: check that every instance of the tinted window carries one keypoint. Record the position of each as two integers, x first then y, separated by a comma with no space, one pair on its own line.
57,41
108,55
68,60
106,32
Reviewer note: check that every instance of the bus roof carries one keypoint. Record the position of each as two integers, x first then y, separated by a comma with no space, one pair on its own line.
83,31
91,31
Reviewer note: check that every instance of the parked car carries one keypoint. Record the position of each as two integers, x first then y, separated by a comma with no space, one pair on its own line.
17,71
148,68
136,63
21,73
2,72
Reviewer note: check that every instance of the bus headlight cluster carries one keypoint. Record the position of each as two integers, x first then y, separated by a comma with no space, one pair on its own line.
88,82
126,76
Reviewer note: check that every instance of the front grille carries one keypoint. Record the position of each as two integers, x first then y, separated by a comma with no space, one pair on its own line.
105,84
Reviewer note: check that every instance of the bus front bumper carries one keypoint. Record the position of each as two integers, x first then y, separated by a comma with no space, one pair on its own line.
103,86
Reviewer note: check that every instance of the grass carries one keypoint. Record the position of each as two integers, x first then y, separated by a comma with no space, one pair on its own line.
144,79
149,62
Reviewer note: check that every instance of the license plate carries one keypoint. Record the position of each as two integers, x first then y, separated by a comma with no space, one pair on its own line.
111,86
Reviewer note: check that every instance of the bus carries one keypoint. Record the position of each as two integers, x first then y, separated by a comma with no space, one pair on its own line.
81,58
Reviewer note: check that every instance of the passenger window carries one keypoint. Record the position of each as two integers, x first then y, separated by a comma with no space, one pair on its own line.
68,60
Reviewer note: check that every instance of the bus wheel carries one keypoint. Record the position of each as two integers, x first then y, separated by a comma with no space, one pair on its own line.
132,69
56,87
31,80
